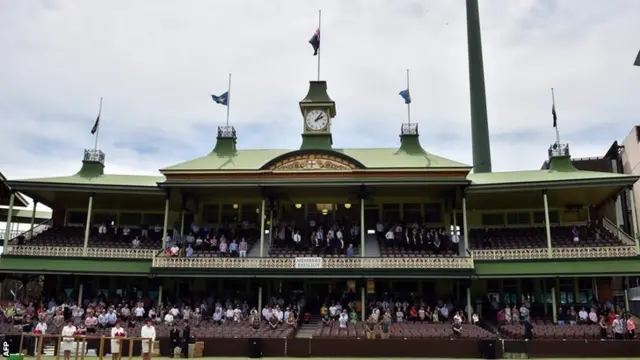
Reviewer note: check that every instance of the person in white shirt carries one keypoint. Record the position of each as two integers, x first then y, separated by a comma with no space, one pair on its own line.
343,320
168,319
41,328
139,311
135,243
583,316
102,230
593,316
147,332
229,314
390,236
117,332
68,340
297,239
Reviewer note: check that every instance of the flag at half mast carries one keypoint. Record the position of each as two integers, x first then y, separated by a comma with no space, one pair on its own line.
94,129
222,99
406,96
555,117
315,42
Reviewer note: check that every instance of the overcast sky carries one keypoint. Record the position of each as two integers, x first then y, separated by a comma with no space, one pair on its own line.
156,63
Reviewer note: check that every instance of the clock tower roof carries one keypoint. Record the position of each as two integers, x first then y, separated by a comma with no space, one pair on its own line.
317,96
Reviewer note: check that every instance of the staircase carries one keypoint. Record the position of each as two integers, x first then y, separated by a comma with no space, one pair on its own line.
306,330
371,247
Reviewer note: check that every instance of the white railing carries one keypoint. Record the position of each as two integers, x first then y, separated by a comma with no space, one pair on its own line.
77,251
162,261
556,253
612,228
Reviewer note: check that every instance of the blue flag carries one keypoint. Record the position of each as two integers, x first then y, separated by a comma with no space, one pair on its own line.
222,99
406,96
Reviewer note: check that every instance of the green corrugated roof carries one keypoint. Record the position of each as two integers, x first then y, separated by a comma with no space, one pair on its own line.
528,176
102,180
371,158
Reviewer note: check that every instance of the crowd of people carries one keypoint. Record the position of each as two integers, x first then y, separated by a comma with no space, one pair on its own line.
416,236
322,238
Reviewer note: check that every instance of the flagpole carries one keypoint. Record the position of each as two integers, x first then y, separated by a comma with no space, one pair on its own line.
409,104
320,39
228,98
553,100
95,146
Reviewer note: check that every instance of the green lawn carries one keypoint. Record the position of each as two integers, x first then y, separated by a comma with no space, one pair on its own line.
306,358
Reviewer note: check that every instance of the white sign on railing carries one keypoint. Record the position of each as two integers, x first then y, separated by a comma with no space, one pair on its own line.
308,263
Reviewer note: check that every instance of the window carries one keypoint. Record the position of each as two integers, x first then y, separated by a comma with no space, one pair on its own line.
77,217
519,218
538,217
432,213
250,212
153,219
229,214
131,219
210,213
411,212
391,212
493,219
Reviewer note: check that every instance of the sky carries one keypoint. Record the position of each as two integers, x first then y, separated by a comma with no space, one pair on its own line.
156,63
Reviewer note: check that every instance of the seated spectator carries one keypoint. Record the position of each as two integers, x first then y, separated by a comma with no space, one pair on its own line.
168,319
273,322
343,319
135,243
583,316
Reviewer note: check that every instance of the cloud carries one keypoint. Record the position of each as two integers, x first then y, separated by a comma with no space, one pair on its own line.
156,63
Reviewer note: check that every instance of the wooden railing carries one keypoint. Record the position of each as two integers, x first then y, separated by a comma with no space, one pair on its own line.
78,252
162,261
556,253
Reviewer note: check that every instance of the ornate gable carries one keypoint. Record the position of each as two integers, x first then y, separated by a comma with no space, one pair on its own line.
312,162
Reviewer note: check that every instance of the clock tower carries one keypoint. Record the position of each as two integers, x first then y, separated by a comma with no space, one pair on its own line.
317,112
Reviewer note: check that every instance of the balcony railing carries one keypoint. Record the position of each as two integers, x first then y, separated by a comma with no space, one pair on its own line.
78,252
409,129
556,253
321,263
226,131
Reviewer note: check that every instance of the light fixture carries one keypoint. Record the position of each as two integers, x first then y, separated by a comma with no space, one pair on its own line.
257,210
347,206
235,206
324,207
298,206
325,211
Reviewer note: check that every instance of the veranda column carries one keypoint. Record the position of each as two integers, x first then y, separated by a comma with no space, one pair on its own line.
80,293
547,224
554,306
626,292
260,301
469,307
165,224
160,295
270,227
363,229
33,218
634,218
87,226
7,230
363,302
465,224
262,228
182,223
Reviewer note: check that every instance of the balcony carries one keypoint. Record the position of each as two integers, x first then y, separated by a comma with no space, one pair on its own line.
78,252
453,263
556,253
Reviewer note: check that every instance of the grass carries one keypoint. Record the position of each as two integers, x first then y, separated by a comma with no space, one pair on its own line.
289,358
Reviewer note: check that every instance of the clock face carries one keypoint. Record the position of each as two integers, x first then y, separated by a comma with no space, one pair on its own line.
317,119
